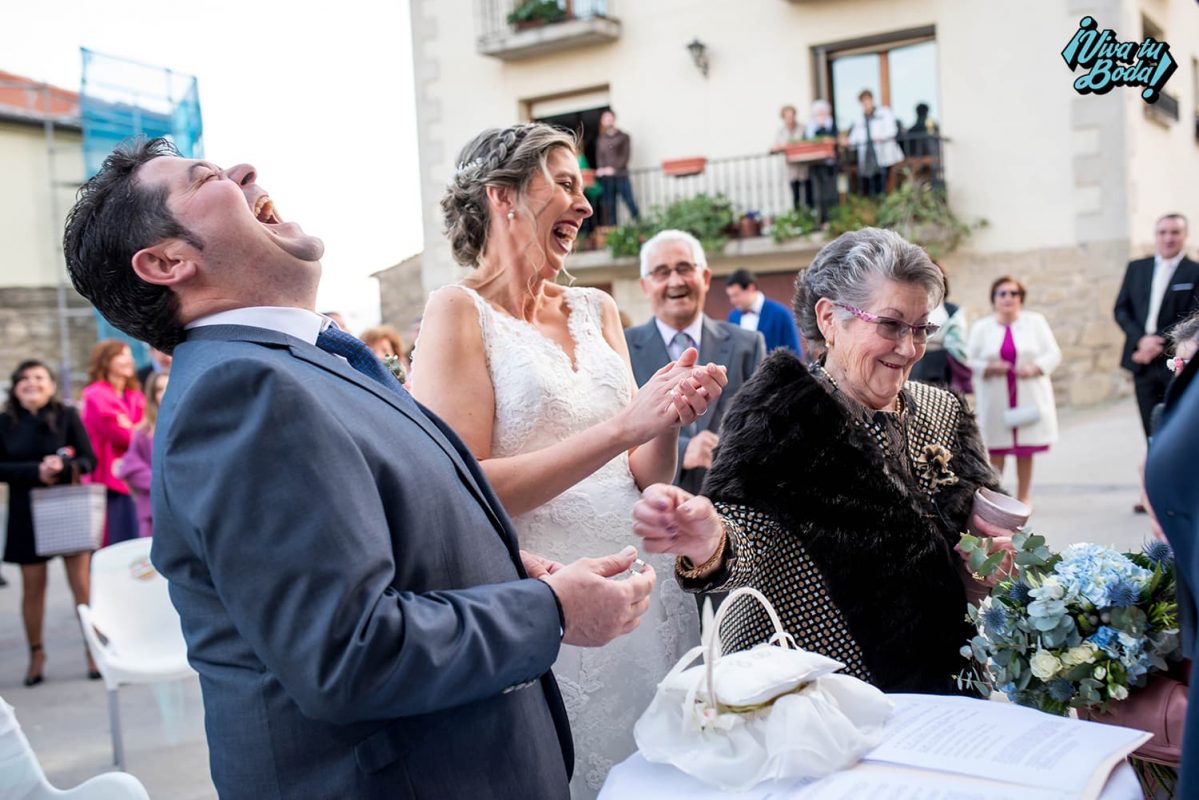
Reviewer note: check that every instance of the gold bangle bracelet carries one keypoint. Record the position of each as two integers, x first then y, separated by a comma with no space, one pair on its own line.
692,572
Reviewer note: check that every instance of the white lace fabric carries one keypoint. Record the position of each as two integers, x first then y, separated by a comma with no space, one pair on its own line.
542,398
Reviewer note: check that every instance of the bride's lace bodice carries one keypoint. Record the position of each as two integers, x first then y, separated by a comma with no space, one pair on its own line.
542,398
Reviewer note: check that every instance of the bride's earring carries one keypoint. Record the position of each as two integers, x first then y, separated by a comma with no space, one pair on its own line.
511,215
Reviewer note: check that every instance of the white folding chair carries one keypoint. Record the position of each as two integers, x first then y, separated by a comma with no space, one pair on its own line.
22,778
131,627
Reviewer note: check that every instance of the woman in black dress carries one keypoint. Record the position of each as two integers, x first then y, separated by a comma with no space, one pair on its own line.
40,441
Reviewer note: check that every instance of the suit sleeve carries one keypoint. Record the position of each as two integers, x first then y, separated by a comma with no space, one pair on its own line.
284,513
1124,312
758,354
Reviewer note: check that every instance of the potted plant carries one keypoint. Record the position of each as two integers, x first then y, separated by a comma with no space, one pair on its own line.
793,223
820,149
535,13
750,225
921,214
682,167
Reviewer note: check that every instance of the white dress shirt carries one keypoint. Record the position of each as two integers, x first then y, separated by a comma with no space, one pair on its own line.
749,319
695,330
301,323
1163,270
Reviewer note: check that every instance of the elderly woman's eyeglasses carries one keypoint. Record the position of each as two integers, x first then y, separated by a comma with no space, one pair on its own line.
661,273
893,329
1008,293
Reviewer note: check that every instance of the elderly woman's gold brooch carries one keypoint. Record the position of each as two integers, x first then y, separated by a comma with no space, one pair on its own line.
933,467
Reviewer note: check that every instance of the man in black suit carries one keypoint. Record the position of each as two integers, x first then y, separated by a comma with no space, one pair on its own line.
1157,293
675,277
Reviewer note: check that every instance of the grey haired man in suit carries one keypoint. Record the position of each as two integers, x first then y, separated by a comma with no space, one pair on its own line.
675,277
351,592
1157,293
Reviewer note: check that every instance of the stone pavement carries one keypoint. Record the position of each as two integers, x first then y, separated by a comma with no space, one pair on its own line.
1083,490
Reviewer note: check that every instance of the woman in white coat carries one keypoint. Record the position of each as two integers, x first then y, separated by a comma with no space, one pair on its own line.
1012,352
873,139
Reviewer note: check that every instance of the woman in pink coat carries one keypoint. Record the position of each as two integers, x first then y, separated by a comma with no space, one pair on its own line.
135,467
112,405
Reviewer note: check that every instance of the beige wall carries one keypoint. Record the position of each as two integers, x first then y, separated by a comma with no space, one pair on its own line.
1164,159
29,230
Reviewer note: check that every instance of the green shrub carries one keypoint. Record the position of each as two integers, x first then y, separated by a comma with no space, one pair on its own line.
796,222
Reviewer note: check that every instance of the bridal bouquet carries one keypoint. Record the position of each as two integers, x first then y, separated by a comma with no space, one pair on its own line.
1076,629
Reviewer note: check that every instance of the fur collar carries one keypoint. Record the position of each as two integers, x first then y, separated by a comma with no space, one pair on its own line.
788,448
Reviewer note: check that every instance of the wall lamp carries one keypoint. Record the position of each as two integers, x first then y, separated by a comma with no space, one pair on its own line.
699,55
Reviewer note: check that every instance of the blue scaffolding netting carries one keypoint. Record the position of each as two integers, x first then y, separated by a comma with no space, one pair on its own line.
120,99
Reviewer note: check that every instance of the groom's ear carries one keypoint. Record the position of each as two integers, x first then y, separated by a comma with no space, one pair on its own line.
166,263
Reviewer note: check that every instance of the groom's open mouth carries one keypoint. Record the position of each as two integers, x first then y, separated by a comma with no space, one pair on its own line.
264,211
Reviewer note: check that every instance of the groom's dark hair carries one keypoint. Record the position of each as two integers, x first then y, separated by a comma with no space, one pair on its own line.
115,216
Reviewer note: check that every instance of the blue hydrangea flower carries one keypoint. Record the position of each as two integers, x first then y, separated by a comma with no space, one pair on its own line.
1123,595
1061,690
1158,552
994,618
1090,571
1009,689
1019,593
1105,639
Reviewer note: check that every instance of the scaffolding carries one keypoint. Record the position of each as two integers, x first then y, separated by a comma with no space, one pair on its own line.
120,99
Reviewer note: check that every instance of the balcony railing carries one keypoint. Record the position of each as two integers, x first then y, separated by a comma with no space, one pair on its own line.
762,183
511,30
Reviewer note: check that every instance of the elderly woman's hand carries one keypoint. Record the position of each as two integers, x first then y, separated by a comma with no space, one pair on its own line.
998,540
670,520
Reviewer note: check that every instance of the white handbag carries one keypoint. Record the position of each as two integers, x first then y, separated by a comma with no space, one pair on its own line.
1021,416
773,711
68,518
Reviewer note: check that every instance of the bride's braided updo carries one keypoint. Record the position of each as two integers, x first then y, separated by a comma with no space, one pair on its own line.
507,157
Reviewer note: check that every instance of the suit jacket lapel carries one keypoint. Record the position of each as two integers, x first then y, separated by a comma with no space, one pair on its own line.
421,416
715,346
418,414
647,351
1176,304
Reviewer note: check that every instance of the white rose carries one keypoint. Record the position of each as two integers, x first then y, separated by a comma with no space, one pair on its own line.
1100,673
1119,692
1083,654
1044,665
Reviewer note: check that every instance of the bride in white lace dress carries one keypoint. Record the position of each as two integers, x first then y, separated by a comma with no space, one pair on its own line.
535,378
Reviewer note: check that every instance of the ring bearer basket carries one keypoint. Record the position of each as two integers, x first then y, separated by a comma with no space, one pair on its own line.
772,711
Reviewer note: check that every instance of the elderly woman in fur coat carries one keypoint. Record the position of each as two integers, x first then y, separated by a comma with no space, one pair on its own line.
840,490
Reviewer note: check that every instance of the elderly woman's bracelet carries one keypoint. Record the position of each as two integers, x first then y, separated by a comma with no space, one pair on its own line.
685,568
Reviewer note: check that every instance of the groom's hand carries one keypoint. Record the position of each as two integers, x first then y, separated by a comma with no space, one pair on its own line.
596,608
539,566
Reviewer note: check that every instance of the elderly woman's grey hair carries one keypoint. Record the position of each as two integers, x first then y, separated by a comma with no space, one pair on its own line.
821,107
665,237
1186,331
852,267
496,157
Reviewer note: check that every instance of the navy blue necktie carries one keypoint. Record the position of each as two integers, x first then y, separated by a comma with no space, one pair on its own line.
336,341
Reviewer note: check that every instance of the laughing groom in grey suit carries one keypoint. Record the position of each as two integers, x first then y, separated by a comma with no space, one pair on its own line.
675,277
351,592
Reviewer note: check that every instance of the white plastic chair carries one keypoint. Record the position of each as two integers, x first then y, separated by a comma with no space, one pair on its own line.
131,627
22,778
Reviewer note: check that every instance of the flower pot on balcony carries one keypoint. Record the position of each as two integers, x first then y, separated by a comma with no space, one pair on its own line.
681,167
588,178
749,226
804,152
